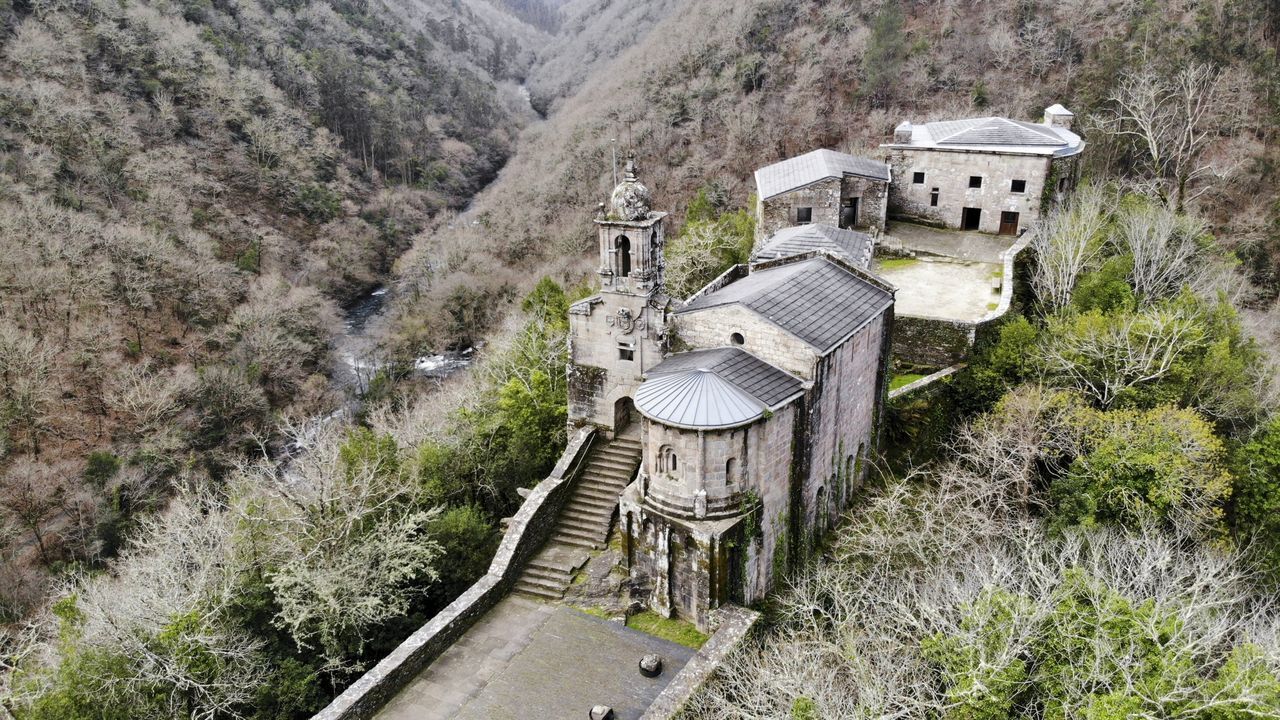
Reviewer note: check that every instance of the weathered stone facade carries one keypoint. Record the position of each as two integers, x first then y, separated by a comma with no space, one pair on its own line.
865,201
616,335
992,175
947,177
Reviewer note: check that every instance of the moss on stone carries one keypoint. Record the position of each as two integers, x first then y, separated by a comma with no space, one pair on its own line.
677,631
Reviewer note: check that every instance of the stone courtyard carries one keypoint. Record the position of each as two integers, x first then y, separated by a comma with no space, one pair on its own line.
945,274
941,287
527,659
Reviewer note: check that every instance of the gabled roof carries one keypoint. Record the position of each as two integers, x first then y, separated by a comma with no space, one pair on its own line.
718,388
811,167
816,300
993,134
853,247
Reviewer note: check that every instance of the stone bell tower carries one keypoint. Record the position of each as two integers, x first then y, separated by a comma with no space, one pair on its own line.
618,334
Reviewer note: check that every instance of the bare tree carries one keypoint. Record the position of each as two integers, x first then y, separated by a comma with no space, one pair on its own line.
31,496
1170,121
939,565
1166,247
341,534
1104,356
1067,243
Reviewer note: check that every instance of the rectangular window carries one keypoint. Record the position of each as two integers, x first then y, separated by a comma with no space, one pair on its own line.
1018,186
917,178
804,215
975,181
933,198
626,351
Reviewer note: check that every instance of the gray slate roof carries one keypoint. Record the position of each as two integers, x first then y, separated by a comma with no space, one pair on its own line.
719,388
994,134
816,300
992,131
764,382
854,247
811,167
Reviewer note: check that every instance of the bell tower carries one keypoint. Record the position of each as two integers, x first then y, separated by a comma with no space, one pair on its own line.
615,336
631,238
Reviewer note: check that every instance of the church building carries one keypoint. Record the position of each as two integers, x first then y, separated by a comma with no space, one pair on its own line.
756,401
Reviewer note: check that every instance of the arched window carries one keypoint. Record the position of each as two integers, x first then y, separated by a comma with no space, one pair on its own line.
667,461
737,339
730,471
624,255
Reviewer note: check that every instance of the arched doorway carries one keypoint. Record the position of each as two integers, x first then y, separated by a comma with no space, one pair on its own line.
624,415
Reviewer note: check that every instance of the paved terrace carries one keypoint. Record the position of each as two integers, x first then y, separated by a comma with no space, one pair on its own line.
957,275
529,660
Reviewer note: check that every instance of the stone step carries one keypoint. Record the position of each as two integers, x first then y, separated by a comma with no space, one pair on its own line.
579,543
609,475
611,466
592,504
616,455
605,477
568,534
580,514
546,575
600,494
538,590
582,522
625,442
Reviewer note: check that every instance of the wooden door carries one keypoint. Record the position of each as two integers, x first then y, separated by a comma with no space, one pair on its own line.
1008,223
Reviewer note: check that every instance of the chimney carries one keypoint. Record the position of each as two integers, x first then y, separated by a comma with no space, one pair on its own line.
1058,116
902,133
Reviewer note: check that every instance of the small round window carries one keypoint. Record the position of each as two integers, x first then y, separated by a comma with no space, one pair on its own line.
737,339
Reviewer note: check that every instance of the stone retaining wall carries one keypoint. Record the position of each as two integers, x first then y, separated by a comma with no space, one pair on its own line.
526,533
941,343
733,625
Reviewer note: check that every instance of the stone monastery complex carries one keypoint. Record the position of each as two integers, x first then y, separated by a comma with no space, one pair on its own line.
714,439
751,406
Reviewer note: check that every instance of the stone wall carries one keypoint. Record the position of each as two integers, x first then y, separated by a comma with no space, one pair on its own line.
599,375
733,626
851,382
949,171
824,198
525,535
713,326
932,341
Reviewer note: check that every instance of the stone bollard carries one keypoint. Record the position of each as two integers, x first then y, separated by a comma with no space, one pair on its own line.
651,666
601,712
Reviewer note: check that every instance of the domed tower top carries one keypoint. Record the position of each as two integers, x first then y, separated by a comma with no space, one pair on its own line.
631,199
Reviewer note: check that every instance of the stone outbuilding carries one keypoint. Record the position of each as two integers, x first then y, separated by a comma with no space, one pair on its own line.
989,174
823,187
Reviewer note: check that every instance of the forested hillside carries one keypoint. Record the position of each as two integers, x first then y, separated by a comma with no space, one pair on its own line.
191,191
707,91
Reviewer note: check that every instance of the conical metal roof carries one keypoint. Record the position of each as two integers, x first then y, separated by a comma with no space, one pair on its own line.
697,398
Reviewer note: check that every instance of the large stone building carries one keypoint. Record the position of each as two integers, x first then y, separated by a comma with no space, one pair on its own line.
755,402
822,187
989,174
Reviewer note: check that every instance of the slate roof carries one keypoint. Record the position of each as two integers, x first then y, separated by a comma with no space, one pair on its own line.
719,388
854,247
811,167
764,382
994,134
816,300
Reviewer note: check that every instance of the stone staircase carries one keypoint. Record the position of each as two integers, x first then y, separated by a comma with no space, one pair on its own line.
583,525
